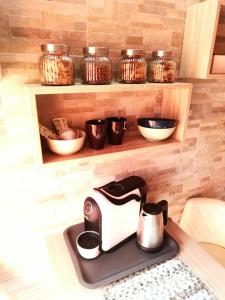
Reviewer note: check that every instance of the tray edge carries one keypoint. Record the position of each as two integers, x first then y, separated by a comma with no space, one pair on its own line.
173,253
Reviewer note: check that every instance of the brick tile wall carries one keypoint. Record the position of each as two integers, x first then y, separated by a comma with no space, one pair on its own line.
196,167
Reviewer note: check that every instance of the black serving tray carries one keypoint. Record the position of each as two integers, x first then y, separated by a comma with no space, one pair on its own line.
119,263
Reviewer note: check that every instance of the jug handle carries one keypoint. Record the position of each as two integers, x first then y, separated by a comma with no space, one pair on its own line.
164,206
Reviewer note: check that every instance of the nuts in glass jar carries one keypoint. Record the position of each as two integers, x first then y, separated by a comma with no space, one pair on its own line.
133,66
96,66
162,67
56,66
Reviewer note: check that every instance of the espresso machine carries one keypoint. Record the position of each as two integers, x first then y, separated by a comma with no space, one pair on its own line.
113,211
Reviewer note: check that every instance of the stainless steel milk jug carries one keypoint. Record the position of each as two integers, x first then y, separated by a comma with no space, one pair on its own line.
151,223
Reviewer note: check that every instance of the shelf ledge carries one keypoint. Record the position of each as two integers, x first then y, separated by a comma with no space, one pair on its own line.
130,146
38,89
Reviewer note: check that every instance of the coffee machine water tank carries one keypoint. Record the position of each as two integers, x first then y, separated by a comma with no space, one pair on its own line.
113,210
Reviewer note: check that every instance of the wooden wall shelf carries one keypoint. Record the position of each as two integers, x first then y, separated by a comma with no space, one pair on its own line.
175,104
135,144
201,37
38,89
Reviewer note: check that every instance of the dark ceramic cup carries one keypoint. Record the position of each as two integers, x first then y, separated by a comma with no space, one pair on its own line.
116,129
96,132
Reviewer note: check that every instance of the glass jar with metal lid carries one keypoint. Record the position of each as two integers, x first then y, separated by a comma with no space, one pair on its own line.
56,65
133,66
161,67
96,66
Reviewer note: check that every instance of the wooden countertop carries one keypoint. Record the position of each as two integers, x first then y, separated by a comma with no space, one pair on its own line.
203,265
64,283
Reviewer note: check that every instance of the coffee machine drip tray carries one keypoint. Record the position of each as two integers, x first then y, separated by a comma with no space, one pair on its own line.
123,261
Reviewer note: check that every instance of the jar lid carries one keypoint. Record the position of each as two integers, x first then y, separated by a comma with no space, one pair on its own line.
55,48
95,50
132,52
162,53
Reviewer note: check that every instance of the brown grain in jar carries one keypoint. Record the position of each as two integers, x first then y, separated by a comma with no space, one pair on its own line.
56,65
96,66
133,66
162,67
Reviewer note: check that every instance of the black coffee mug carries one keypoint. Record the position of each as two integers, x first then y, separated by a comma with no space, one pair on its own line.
116,129
96,132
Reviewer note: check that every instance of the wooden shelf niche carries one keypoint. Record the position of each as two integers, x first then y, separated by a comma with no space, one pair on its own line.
204,37
79,103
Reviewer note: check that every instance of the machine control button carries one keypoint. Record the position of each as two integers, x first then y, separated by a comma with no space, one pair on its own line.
88,208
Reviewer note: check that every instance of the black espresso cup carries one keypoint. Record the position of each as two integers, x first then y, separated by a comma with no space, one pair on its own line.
96,132
116,129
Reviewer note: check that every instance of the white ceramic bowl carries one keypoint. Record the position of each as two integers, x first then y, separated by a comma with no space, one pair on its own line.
88,244
65,147
156,134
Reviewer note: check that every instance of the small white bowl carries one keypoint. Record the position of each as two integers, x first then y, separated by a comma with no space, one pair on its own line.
66,147
156,134
88,244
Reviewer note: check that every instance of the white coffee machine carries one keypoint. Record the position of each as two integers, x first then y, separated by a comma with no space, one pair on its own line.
113,210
